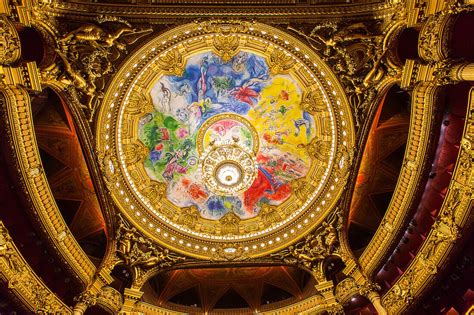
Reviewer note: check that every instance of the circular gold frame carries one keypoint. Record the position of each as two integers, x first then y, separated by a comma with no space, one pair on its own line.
142,200
208,123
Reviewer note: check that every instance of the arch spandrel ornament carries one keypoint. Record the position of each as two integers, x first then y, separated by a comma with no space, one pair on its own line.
221,133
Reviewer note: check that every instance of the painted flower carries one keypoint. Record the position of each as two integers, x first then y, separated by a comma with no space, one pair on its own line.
155,155
182,133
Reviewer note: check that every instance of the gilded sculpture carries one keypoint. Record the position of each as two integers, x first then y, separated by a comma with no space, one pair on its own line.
87,54
316,247
140,255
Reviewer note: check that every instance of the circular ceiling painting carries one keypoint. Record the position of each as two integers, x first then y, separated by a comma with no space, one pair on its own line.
225,140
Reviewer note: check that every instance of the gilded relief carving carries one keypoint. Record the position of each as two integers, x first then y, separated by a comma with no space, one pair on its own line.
171,62
315,247
279,62
356,52
140,255
226,46
9,42
87,54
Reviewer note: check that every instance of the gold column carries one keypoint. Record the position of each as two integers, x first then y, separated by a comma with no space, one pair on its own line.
80,308
374,298
326,289
462,72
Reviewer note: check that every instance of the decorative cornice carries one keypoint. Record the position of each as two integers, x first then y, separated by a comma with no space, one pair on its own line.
23,282
452,220
161,14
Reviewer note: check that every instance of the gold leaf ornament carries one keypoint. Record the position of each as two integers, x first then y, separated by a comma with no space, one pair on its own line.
280,62
172,62
226,46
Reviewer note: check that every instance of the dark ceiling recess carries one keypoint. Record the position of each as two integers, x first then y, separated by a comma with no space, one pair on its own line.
231,299
32,46
190,297
407,47
207,289
380,167
271,294
67,173
460,47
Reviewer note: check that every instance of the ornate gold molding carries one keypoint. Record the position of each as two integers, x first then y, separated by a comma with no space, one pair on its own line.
107,298
423,104
357,53
311,305
452,220
165,13
140,255
316,247
10,41
17,112
434,37
23,282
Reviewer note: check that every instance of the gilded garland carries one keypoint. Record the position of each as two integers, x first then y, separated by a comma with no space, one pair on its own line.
221,133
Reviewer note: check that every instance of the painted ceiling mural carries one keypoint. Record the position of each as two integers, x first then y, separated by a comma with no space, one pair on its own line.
216,138
237,103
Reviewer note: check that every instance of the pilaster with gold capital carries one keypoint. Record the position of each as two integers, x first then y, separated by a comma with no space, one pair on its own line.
326,289
462,72
131,297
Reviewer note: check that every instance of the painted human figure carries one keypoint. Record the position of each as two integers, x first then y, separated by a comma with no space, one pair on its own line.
165,96
202,82
173,166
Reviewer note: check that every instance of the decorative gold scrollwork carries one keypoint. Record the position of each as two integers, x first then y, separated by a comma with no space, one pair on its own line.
279,62
318,149
315,247
86,54
189,216
229,224
10,50
154,191
135,152
172,62
269,215
302,188
229,252
226,46
140,255
313,102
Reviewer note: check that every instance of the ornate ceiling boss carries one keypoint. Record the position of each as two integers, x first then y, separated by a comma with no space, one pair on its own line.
225,140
